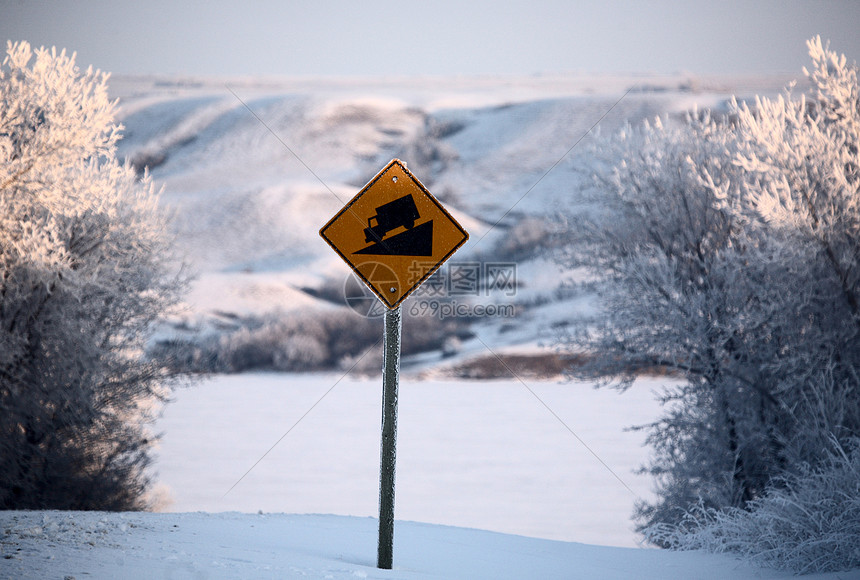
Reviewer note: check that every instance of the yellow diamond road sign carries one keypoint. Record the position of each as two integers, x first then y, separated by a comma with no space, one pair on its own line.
394,234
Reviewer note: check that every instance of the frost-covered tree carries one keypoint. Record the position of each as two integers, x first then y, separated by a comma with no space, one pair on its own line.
84,270
809,523
727,251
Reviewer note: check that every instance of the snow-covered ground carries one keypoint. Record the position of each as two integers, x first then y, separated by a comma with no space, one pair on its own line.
229,546
475,455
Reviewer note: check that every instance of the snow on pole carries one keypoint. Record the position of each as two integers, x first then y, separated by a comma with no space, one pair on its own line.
388,453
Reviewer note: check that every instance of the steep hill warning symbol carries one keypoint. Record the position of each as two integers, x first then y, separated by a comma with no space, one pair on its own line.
402,212
396,222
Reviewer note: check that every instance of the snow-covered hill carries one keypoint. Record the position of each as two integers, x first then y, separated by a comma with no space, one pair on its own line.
254,167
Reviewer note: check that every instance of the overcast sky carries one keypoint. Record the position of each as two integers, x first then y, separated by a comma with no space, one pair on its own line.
346,37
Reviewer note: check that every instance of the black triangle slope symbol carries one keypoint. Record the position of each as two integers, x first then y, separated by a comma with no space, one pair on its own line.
415,242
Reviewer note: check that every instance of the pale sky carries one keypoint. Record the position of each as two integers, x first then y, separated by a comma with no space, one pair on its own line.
446,37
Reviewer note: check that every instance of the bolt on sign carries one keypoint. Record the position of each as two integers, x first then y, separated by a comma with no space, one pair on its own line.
389,228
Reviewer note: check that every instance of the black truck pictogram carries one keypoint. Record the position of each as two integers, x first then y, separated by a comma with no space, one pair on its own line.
390,216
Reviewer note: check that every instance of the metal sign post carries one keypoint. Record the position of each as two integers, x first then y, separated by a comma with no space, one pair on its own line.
388,452
394,235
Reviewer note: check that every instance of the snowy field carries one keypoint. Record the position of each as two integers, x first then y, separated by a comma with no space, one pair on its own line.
483,455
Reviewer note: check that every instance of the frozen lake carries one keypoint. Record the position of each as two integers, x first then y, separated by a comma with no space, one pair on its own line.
483,455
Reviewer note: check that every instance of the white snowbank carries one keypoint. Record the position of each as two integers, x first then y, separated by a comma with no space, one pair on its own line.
129,546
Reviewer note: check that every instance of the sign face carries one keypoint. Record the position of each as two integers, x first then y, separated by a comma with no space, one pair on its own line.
394,234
